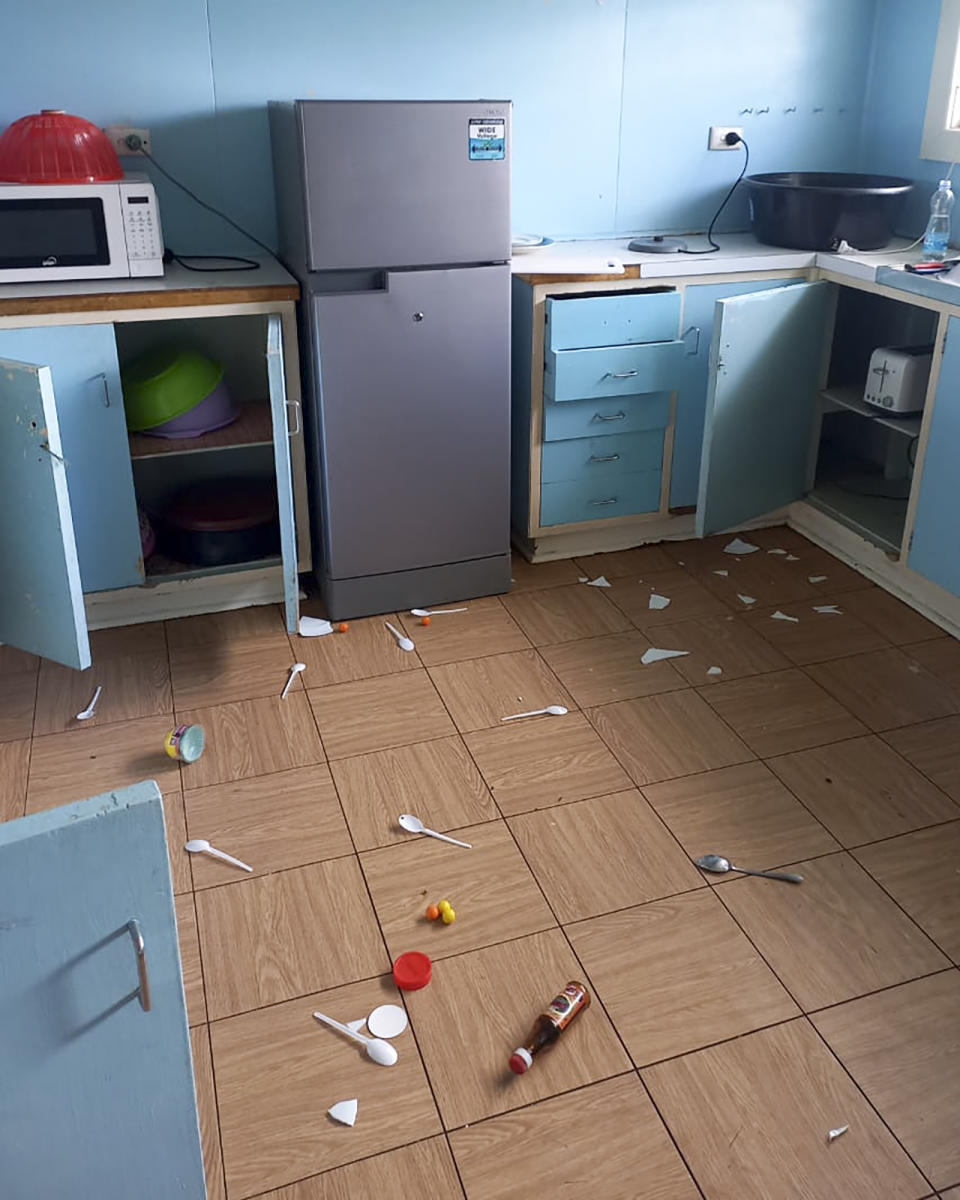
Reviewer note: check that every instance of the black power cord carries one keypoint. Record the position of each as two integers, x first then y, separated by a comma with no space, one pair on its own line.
732,139
246,264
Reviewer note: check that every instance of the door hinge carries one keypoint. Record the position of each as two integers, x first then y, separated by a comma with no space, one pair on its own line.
943,347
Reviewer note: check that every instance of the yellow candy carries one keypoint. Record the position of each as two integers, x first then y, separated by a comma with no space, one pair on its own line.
444,906
447,915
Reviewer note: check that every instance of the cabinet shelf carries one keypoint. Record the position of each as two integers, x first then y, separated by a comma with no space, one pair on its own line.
851,398
158,567
253,427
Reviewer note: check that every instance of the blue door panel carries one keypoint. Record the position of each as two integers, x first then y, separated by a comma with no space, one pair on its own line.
281,459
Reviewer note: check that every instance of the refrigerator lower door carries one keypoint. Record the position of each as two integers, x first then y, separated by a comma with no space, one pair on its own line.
414,423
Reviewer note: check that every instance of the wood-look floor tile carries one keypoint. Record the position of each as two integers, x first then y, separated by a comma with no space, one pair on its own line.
615,564
424,1169
18,693
598,855
903,1049
490,888
663,737
835,936
503,988
743,812
86,762
190,963
485,628
782,712
272,822
278,1071
565,614
810,559
481,692
724,642
176,828
150,637
230,671
677,975
816,637
688,600
919,870
605,669
751,1118
257,624
133,686
941,657
608,1134
530,765
437,781
863,791
934,749
762,577
17,662
896,621
527,576
694,553
282,935
207,1111
376,714
366,650
887,689
252,737
14,767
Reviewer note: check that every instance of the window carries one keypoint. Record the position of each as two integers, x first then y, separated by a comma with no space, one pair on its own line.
941,128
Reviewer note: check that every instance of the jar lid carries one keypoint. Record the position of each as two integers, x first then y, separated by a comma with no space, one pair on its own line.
412,971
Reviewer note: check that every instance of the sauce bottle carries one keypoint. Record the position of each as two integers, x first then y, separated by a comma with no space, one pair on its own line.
550,1024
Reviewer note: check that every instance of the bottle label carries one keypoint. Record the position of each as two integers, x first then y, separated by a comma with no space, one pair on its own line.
565,1006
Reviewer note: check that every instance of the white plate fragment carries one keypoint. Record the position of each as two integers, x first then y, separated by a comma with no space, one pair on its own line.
658,601
344,1111
739,546
782,616
833,1134
653,655
387,1021
791,558
714,670
724,573
828,608
313,627
817,578
776,551
583,579
600,581
746,599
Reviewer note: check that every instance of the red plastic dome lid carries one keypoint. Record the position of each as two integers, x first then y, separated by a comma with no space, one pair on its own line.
54,147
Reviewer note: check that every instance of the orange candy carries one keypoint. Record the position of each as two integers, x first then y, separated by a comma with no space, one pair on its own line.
342,627
424,620
432,912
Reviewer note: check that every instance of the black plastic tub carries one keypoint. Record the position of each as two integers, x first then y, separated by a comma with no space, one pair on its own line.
812,210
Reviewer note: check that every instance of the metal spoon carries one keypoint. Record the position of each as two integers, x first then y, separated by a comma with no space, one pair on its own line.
88,711
380,1051
433,612
402,640
552,710
720,865
413,824
202,846
294,672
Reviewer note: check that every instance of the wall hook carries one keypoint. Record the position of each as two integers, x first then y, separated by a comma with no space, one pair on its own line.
763,110
792,108
744,111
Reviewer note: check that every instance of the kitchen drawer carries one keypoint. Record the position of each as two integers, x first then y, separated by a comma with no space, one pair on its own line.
596,418
602,458
593,500
612,371
611,319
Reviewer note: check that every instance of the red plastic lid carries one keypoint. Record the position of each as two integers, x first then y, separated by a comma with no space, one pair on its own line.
412,971
520,1062
54,147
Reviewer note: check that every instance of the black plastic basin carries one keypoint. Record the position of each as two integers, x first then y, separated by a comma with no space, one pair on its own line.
814,210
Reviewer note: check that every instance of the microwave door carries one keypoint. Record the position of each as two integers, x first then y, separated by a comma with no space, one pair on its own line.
68,236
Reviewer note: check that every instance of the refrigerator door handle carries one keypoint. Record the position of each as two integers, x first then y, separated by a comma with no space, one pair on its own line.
295,405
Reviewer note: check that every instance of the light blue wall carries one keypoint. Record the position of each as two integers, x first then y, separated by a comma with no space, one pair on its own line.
612,97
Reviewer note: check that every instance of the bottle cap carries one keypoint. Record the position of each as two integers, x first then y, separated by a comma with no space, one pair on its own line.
412,971
520,1061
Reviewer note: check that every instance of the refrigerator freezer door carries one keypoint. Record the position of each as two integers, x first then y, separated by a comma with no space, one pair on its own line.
405,183
415,418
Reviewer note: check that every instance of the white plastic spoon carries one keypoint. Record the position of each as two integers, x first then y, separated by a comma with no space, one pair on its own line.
88,711
380,1051
202,846
402,640
552,710
433,612
294,672
413,824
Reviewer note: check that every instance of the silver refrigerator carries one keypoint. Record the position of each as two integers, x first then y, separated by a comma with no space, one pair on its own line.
395,217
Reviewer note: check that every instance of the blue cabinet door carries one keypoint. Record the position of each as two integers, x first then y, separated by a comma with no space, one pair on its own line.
765,363
97,1096
41,602
935,546
281,459
86,381
699,305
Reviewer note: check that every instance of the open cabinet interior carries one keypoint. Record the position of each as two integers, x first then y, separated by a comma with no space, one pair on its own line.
864,458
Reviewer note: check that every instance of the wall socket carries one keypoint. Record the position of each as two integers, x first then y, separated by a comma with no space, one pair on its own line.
118,138
719,132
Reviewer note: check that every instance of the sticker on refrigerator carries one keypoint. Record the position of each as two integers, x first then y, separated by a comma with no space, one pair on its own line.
487,139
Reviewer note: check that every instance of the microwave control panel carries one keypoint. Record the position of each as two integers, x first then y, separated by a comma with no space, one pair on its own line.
141,227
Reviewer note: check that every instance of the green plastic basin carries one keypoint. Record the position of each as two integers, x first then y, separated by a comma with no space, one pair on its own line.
166,382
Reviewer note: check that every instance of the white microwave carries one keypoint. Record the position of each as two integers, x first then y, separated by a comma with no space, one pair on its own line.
55,231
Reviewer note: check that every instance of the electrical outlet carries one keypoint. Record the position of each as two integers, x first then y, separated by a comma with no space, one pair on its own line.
118,135
719,132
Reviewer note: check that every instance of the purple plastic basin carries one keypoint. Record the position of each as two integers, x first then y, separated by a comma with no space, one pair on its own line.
213,412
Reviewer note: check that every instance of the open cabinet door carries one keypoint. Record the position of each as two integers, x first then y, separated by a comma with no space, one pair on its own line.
281,458
765,364
41,600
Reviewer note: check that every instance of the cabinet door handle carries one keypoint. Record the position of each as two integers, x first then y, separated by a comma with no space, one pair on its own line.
604,458
621,374
620,416
611,500
694,329
295,405
106,390
139,948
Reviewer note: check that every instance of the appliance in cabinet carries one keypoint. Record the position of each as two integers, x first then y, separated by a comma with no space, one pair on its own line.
394,215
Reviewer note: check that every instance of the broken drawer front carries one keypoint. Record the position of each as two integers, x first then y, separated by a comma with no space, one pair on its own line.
596,418
612,371
593,500
615,319
602,458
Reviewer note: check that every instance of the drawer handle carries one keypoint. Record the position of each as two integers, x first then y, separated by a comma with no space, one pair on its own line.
621,374
604,458
612,500
620,416
140,950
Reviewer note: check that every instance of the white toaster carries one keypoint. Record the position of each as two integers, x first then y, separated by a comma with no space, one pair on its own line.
898,377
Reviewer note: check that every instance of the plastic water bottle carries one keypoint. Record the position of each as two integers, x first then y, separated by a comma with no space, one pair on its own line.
937,236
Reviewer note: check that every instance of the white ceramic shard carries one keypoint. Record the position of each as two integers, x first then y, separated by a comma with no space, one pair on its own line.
817,578
653,655
746,599
833,1134
658,601
344,1111
776,551
739,546
782,616
387,1021
828,608
313,627
724,573
791,558
714,670
600,581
